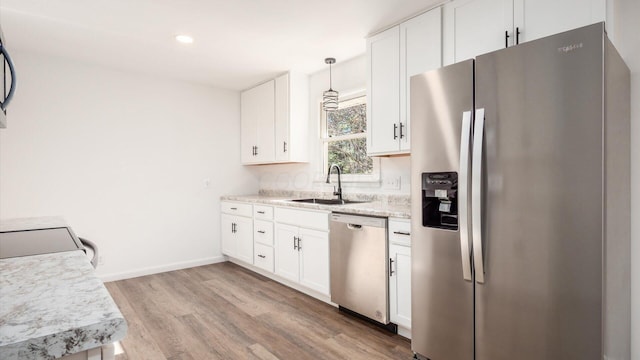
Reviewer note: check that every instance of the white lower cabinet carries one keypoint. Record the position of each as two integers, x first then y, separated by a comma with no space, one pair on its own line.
400,272
313,246
400,285
301,253
237,231
263,257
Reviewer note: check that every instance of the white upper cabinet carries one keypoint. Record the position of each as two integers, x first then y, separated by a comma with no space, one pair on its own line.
274,121
420,51
393,56
539,18
257,112
475,27
383,92
292,114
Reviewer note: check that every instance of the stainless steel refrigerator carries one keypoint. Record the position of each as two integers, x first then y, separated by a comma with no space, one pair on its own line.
520,209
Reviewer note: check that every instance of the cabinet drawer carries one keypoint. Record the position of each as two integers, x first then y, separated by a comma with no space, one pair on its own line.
263,232
400,232
263,257
303,218
234,208
263,212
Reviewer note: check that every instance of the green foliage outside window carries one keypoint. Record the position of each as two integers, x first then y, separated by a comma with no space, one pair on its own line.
346,143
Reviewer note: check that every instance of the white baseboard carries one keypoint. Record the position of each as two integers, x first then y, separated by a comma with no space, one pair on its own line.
403,331
160,269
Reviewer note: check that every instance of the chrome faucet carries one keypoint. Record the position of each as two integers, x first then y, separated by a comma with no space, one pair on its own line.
339,191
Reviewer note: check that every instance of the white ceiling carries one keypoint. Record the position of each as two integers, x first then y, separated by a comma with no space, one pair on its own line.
238,43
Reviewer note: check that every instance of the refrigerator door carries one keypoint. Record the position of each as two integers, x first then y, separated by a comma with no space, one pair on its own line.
541,199
442,300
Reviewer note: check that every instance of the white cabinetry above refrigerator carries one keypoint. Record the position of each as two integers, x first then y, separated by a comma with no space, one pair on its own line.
475,27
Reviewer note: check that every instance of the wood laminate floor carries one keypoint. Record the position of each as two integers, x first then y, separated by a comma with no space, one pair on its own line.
224,311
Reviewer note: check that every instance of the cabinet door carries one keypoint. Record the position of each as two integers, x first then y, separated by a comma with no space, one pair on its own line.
420,51
314,262
265,151
383,92
474,27
539,18
287,256
282,143
244,239
248,125
400,285
257,112
227,235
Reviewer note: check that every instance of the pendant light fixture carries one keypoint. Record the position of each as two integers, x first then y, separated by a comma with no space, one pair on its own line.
330,97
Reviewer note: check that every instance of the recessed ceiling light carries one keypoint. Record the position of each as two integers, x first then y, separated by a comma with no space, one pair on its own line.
185,39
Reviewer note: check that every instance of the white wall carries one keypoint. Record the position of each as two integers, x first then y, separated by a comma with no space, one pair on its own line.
624,33
348,77
124,159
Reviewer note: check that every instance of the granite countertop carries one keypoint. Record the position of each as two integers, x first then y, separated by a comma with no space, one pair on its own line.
374,206
53,304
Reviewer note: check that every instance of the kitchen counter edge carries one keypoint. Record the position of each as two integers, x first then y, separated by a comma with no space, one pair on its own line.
373,208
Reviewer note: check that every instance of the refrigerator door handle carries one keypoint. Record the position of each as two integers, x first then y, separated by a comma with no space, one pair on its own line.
463,196
476,196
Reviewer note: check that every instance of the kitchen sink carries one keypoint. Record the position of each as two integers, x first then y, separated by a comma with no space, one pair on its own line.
327,201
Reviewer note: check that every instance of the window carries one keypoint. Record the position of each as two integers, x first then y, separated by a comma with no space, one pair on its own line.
344,140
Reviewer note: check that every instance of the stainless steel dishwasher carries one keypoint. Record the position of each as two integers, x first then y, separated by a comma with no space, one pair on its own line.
359,265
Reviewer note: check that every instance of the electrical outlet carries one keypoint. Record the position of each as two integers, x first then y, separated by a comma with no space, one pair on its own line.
392,183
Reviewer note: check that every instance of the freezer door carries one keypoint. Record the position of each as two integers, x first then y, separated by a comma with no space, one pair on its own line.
539,285
442,290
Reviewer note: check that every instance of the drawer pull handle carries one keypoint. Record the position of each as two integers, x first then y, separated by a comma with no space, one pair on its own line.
261,256
391,267
261,231
260,212
234,208
402,233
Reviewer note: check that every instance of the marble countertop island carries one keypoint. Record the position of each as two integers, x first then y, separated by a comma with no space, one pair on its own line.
52,305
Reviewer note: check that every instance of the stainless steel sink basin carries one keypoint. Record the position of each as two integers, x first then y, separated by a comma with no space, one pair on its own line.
327,201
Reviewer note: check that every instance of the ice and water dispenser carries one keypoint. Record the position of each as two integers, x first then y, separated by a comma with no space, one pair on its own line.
440,200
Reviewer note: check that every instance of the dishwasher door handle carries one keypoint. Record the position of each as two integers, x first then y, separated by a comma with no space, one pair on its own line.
354,227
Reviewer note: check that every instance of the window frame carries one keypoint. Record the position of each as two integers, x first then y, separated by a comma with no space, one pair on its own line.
325,140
